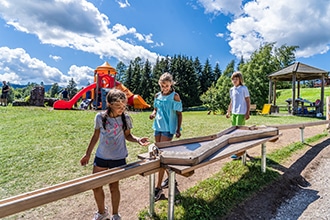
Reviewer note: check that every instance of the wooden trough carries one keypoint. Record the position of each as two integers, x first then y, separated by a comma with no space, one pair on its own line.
193,151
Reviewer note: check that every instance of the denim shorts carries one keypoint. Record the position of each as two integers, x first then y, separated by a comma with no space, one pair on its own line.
164,133
108,163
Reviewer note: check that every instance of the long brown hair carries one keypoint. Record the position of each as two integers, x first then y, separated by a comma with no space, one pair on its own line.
114,95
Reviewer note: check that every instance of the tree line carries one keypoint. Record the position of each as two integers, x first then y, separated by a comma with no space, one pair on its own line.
198,84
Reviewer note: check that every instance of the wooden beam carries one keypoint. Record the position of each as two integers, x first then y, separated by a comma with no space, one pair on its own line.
43,196
301,125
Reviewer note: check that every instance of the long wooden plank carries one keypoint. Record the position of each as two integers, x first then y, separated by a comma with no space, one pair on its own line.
300,125
39,197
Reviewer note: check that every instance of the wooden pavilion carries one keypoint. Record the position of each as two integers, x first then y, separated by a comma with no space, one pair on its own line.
296,73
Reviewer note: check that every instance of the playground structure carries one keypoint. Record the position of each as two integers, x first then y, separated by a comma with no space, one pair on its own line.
104,79
233,140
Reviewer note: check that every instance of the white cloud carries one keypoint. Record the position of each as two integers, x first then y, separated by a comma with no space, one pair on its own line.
19,68
221,35
56,58
222,6
76,24
123,4
82,75
293,24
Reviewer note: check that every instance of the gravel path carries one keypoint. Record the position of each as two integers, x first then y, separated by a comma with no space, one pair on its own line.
312,201
302,192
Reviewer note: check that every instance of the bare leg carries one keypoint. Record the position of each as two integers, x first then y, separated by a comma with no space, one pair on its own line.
160,178
161,171
115,197
99,193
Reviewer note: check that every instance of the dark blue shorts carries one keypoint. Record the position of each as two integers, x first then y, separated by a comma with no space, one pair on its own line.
163,133
108,163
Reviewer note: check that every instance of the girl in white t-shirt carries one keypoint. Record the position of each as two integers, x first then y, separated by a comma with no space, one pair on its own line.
239,106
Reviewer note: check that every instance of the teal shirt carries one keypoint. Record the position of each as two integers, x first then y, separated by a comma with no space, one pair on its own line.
166,119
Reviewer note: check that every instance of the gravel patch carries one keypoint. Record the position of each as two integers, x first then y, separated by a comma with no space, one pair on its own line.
313,201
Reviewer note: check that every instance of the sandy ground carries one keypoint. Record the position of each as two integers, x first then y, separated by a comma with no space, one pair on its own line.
134,190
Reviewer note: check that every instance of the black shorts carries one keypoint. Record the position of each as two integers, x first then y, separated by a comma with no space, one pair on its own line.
108,163
4,95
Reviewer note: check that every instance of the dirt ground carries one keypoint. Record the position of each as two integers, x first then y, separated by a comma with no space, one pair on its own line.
134,190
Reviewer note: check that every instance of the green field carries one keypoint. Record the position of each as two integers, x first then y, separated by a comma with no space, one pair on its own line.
310,94
41,147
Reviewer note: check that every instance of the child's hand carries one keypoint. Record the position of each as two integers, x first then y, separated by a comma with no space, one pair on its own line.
84,160
152,116
143,141
227,115
178,134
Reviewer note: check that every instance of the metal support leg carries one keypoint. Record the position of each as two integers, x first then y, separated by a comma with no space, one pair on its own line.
244,158
151,194
171,194
302,134
263,157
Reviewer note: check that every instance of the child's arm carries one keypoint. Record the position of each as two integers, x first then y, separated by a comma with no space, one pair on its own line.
178,131
179,114
130,137
229,110
248,105
153,114
85,159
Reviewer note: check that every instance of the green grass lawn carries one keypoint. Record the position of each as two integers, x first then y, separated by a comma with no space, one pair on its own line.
310,94
40,147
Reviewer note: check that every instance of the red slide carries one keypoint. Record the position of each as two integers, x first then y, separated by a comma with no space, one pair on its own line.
61,104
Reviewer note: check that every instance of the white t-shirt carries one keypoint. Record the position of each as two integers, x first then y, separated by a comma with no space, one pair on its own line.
237,96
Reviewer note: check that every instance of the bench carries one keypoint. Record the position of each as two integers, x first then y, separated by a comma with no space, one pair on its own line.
253,109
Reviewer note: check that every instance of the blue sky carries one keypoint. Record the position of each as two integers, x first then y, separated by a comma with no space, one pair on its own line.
56,40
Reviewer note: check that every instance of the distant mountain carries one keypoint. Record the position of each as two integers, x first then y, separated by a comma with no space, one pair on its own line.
18,86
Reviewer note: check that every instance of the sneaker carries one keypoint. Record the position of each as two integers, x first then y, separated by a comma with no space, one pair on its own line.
235,157
116,217
158,193
104,216
165,183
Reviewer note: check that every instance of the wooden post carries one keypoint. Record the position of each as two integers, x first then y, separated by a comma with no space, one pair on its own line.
274,93
322,95
294,108
270,93
263,158
171,194
152,194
